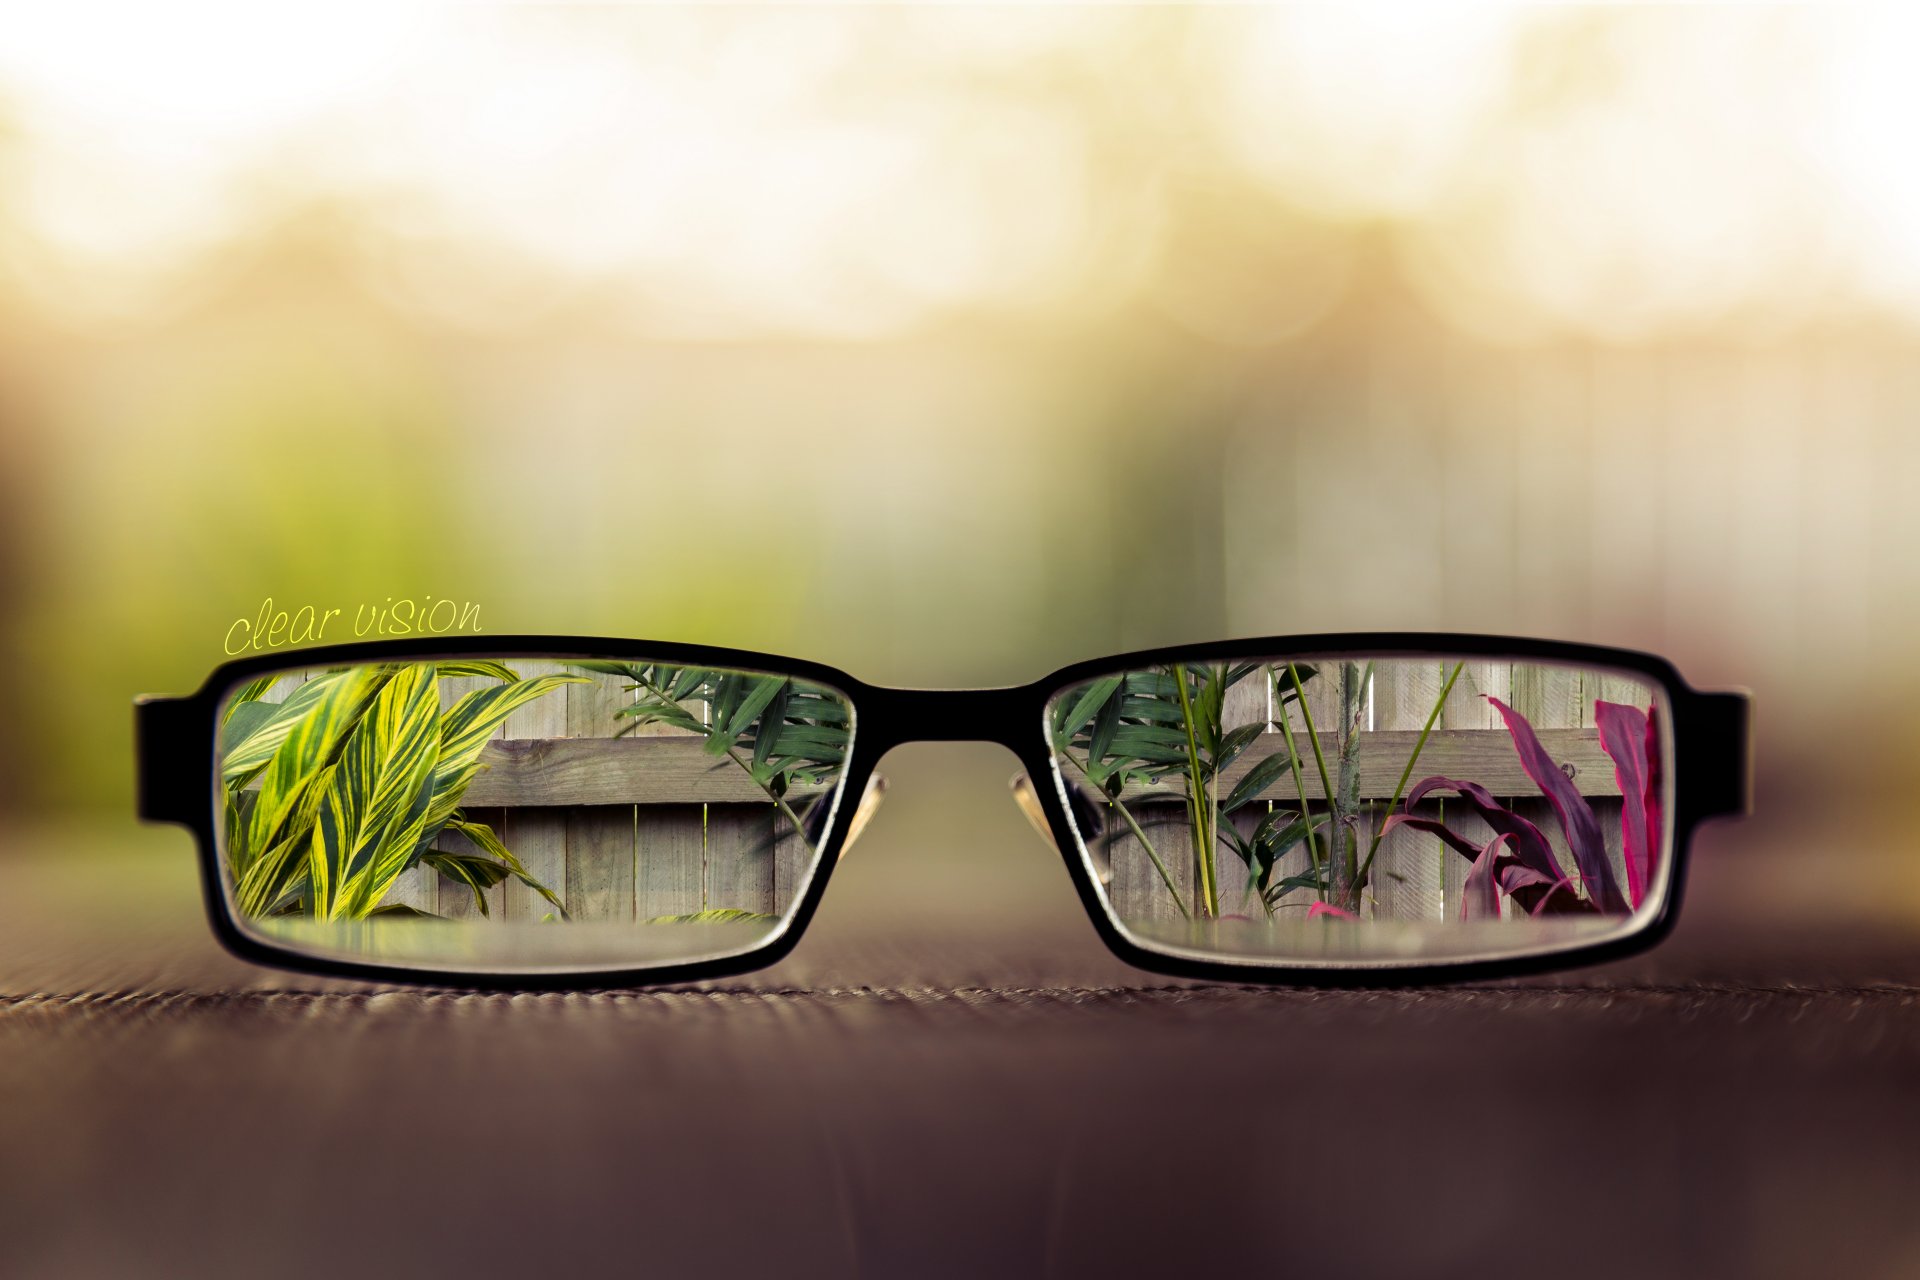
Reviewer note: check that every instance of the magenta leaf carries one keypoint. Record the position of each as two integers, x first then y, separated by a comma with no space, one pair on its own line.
1656,834
1530,843
1328,909
1431,827
1478,901
1624,737
1575,814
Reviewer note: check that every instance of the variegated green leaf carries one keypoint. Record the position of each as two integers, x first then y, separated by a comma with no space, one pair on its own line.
476,873
369,823
464,732
250,755
306,744
718,915
482,835
484,668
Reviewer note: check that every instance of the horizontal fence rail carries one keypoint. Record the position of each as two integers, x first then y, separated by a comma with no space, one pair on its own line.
1485,756
653,770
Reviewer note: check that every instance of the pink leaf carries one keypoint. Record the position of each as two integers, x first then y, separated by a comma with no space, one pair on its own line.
1529,842
1575,814
1328,909
1625,736
1478,900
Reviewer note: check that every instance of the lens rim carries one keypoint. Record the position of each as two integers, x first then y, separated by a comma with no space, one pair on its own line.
1710,766
1623,925
180,782
1709,777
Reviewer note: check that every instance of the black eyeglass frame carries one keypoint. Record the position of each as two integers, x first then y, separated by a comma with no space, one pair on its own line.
177,782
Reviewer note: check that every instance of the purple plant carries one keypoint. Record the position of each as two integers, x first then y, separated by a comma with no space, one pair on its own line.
1519,860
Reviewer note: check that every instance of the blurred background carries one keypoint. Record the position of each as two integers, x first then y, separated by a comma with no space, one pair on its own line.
950,346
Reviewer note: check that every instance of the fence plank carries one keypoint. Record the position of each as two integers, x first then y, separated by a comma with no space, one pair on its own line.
670,860
641,769
599,862
740,840
537,837
792,859
1406,880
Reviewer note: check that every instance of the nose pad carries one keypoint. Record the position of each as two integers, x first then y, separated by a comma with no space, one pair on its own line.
1085,816
870,799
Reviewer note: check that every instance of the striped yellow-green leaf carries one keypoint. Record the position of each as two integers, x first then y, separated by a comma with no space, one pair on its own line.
273,873
485,668
249,755
369,822
464,732
476,873
307,743
482,835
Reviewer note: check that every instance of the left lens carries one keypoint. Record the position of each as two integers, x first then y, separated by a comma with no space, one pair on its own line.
1368,809
507,815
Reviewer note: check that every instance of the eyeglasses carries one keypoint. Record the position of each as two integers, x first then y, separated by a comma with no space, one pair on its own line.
548,812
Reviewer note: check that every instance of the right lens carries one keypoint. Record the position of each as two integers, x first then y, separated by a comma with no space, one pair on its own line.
507,815
1350,809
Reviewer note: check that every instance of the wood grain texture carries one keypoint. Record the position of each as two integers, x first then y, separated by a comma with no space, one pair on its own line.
599,862
1405,880
538,838
670,860
740,856
660,769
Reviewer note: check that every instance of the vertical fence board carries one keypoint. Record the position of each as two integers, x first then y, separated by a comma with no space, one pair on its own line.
792,859
1406,880
1467,706
1246,703
536,836
670,860
740,841
599,862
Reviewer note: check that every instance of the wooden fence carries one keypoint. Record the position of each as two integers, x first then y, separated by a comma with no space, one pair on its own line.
1415,876
649,825
631,828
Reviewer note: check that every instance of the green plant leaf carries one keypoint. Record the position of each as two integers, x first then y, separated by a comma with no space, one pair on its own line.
771,722
717,915
484,838
259,747
1256,780
464,732
482,668
369,821
307,741
476,873
1073,717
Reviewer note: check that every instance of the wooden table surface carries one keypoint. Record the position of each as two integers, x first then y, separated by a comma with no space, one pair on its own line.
950,1077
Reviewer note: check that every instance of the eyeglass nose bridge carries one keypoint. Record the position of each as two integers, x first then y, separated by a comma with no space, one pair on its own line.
890,717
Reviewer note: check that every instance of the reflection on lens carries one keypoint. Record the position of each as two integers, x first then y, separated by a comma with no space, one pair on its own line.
514,815
1347,809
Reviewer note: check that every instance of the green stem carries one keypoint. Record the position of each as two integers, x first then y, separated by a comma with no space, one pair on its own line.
1196,797
1153,855
1299,789
1399,788
1320,759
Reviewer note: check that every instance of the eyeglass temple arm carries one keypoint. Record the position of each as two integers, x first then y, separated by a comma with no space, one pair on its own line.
166,786
870,798
1717,761
1029,801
